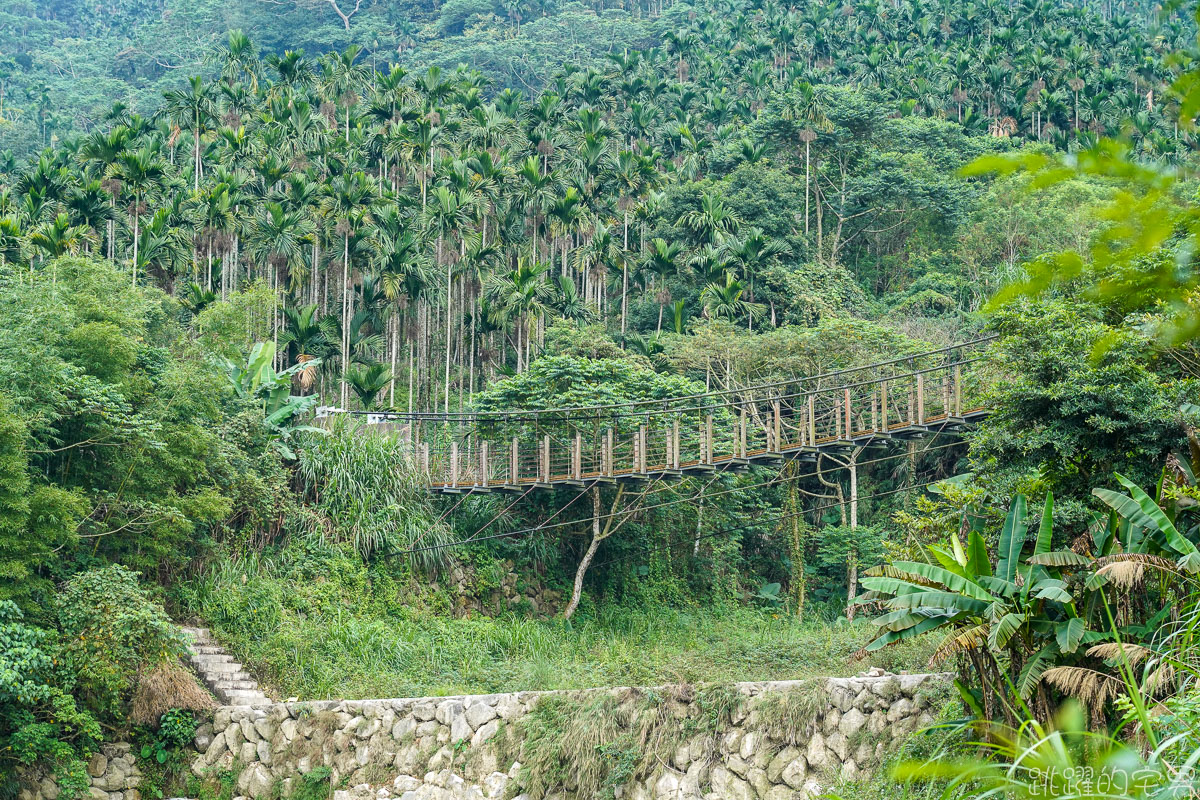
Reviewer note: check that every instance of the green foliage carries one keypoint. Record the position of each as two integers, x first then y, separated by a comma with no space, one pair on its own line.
40,722
166,753
140,465
1066,420
316,784
259,382
364,491
1035,617
112,630
176,730
319,625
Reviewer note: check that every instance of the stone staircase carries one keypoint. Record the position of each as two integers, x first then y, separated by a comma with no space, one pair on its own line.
220,673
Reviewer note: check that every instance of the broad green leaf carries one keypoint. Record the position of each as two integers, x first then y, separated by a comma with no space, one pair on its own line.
949,600
892,586
1054,590
1069,634
901,619
960,555
947,560
1151,509
1126,507
1060,558
977,557
1002,631
953,582
1012,540
891,637
1035,667
1046,529
998,586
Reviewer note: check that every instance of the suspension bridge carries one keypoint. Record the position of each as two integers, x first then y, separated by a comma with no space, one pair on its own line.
910,397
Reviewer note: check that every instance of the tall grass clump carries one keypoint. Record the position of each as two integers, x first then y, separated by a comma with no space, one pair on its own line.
592,746
367,491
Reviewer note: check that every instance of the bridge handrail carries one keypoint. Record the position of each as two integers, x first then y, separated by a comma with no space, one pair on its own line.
521,415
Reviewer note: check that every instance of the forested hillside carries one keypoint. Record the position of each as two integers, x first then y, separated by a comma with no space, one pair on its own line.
217,217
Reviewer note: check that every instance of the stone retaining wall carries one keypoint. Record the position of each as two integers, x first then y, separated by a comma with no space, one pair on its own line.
113,774
785,740
446,748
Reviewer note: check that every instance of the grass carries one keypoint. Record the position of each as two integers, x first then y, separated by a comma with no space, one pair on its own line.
593,745
345,635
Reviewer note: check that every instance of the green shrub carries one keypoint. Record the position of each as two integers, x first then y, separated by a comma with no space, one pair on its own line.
111,630
40,723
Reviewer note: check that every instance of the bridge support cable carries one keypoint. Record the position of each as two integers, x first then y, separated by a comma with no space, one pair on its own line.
690,499
785,517
906,398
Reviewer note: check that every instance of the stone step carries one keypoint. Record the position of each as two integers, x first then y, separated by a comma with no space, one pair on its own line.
211,658
218,670
245,697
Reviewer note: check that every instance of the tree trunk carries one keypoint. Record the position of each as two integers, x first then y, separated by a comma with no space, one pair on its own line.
135,241
345,315
852,560
598,536
449,308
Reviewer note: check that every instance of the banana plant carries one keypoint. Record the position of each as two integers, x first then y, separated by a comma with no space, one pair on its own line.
1040,615
1150,527
257,380
1012,620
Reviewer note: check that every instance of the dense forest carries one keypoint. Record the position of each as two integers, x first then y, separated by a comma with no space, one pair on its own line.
216,218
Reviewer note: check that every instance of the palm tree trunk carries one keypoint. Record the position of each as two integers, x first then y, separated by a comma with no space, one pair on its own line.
806,184
625,276
395,321
412,346
345,313
449,305
135,240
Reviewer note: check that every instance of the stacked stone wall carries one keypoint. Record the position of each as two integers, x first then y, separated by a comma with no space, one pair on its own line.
784,740
449,748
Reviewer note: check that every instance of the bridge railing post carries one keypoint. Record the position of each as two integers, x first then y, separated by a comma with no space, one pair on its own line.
454,463
812,420
607,457
958,390
675,443
883,406
483,463
741,442
920,398
708,439
514,466
849,416
577,457
546,458
776,444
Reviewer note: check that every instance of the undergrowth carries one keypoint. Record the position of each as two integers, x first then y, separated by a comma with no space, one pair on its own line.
332,628
590,747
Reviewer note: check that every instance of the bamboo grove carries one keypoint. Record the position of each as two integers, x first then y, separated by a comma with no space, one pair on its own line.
419,230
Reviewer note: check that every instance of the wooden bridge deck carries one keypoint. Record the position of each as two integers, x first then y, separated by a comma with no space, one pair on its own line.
788,451
523,450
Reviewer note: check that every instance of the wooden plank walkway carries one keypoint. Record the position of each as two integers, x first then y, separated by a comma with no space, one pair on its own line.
915,396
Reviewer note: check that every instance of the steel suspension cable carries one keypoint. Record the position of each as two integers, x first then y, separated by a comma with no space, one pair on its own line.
538,528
